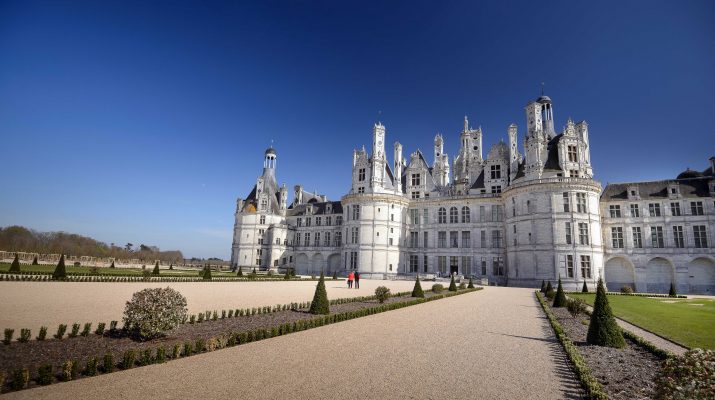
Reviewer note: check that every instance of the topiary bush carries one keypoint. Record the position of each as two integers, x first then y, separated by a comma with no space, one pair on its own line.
543,286
560,298
690,376
471,284
417,290
382,293
15,266
672,292
452,285
584,289
240,271
151,312
155,272
207,273
320,303
603,329
60,270
34,261
548,287
437,287
627,290
112,266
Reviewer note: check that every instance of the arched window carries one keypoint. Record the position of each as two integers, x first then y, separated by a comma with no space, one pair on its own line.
466,218
442,215
453,215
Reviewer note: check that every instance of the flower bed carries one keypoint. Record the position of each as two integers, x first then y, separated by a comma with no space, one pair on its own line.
113,349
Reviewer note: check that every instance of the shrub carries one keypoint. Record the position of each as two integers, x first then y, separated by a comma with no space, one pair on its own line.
627,290
543,286
690,376
471,284
576,306
214,316
75,330
86,329
155,272
43,333
8,335
462,285
188,349
128,359
154,311
160,355
200,345
108,363
672,292
70,370
201,318
100,329
34,261
90,368
113,326
240,271
60,270
207,273
286,277
548,287
320,303
560,298
437,288
145,357
603,330
171,266
44,375
15,266
176,351
112,266
382,293
550,294
452,285
584,289
417,290
24,336
20,378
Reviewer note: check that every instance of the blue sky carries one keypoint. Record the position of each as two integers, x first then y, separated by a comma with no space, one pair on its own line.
139,121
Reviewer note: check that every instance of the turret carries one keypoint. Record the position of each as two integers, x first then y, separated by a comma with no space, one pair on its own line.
513,152
397,159
269,162
298,194
283,193
377,176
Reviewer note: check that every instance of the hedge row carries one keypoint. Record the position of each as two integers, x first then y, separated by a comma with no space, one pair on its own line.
41,277
680,296
19,379
593,388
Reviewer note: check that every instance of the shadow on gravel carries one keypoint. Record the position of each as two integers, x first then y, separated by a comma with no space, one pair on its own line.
552,340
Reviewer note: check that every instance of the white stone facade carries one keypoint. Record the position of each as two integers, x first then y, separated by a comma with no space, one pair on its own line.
510,218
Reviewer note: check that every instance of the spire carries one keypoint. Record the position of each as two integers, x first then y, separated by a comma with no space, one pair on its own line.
466,124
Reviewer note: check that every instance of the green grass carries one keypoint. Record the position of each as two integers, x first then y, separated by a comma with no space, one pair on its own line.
680,321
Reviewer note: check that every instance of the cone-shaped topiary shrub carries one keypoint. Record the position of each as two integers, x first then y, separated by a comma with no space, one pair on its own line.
320,304
543,286
471,284
34,261
286,276
171,266
240,271
417,291
335,275
156,269
603,330
452,285
672,292
560,299
15,266
207,273
60,270
112,266
584,289
549,287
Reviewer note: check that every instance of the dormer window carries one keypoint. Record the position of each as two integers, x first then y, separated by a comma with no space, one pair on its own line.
572,153
361,174
495,172
633,193
415,179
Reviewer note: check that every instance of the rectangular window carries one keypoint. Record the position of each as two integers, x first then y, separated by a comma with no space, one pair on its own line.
415,195
262,220
361,174
297,239
637,237
326,243
425,216
496,189
572,153
581,202
426,239
339,220
415,179
656,236
356,212
361,190
583,236
466,239
318,221
496,239
495,171
484,266
696,207
497,266
654,209
441,239
299,221
617,237
700,236
569,266
424,264
442,264
675,209
483,239
414,263
496,213
467,265
586,267
306,243
414,239
635,211
338,239
354,235
453,264
453,240
678,236
353,260
482,214
569,232
328,221
615,210
567,202
415,216
316,242
307,221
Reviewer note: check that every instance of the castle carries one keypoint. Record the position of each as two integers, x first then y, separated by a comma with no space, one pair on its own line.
510,218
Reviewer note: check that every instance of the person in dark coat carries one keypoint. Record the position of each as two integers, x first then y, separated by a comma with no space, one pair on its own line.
357,280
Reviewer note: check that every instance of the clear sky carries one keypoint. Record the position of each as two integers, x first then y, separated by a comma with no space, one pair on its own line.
141,121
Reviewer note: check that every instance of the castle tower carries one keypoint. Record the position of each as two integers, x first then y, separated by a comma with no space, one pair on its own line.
397,167
513,152
441,162
269,162
378,158
547,115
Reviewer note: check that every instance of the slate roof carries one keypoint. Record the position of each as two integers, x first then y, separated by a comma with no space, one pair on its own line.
552,159
479,182
318,208
697,187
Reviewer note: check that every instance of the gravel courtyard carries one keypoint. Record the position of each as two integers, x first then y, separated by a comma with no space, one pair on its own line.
33,304
492,344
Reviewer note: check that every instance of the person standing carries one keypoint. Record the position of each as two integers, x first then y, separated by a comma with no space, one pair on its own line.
351,276
357,280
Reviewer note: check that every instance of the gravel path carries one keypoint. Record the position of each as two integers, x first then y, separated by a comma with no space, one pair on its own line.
34,304
493,344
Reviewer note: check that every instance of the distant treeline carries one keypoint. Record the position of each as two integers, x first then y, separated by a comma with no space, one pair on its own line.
19,238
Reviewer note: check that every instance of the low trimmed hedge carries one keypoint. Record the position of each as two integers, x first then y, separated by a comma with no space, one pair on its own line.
680,296
593,388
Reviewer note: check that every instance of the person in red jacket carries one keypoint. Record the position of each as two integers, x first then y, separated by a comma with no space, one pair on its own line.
351,276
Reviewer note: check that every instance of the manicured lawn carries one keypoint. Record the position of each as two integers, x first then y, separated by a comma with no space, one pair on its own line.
680,320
